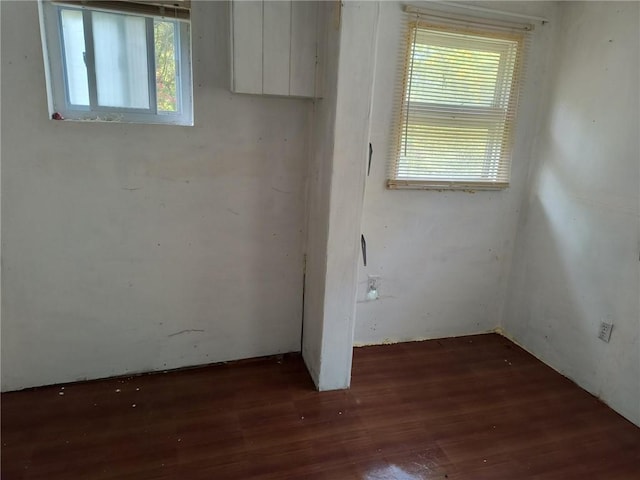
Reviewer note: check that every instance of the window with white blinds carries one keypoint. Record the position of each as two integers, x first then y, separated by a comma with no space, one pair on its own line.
456,106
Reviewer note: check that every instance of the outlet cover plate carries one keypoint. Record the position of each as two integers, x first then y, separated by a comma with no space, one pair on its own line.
605,331
373,282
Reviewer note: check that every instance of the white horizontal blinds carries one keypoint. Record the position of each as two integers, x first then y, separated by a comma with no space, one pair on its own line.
456,107
175,9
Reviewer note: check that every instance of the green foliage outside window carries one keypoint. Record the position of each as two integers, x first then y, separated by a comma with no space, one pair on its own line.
166,79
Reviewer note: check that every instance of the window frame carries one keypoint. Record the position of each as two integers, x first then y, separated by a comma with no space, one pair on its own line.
405,108
58,87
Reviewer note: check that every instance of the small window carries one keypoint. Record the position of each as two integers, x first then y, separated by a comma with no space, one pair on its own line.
456,113
119,61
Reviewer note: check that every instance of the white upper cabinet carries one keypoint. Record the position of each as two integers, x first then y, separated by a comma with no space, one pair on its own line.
273,47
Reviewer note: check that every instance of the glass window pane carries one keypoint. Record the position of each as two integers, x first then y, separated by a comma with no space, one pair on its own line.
73,52
120,46
454,76
165,39
446,152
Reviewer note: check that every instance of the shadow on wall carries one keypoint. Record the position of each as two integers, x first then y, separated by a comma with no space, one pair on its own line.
562,290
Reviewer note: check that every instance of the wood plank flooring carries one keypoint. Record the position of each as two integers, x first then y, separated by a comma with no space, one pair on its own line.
467,408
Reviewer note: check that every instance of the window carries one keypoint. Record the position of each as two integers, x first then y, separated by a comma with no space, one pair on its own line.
118,61
455,116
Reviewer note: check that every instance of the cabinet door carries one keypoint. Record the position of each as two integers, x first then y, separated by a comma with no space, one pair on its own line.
276,47
246,25
304,16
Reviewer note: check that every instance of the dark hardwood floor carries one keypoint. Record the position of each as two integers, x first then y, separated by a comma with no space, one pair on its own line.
466,408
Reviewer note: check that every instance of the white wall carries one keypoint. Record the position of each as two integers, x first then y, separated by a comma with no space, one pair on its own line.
341,128
132,248
443,257
319,188
577,259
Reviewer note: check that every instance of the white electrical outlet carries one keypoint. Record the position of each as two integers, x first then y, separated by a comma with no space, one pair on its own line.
605,331
373,283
